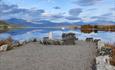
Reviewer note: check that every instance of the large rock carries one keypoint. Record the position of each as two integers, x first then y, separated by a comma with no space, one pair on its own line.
100,44
69,38
89,39
7,41
102,63
4,47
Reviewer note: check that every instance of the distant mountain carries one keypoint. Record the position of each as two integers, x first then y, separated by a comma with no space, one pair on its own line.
40,23
101,22
47,23
19,22
97,22
79,23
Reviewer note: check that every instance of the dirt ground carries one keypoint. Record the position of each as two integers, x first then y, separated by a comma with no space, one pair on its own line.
34,56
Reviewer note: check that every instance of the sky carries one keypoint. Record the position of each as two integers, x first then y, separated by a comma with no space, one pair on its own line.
58,10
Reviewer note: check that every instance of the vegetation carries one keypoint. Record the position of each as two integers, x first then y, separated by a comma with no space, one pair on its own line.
3,26
86,28
112,61
107,28
94,28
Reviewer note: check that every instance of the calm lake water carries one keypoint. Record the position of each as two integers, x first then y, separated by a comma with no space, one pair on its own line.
39,33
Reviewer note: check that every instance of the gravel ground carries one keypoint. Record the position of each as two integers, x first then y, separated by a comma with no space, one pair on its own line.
34,56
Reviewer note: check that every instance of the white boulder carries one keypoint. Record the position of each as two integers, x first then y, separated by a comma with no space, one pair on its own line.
102,63
3,48
100,44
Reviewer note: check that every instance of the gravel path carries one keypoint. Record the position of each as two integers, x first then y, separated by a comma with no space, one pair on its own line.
34,56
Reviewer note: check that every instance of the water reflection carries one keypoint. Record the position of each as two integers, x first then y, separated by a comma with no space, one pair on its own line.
45,30
18,34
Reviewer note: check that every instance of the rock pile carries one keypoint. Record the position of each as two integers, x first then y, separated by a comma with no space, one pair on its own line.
6,44
67,39
106,57
104,51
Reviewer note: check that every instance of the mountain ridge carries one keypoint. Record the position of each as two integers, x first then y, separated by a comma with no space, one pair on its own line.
47,23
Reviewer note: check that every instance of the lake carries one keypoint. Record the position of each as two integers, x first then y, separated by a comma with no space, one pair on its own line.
39,33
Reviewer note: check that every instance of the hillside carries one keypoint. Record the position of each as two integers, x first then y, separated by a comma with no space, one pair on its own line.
3,22
6,24
40,23
3,25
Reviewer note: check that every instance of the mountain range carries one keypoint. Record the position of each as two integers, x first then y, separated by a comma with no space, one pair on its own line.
47,23
41,23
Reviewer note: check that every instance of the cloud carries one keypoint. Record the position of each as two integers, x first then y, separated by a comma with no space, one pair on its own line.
107,14
56,7
92,9
6,7
72,18
48,15
75,12
87,2
36,12
113,9
14,11
57,16
107,17
50,1
88,19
